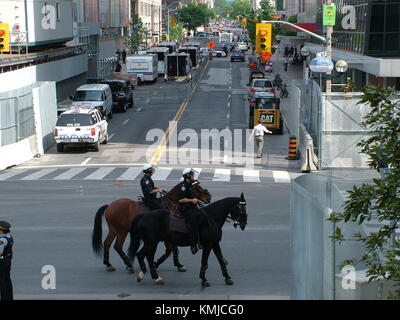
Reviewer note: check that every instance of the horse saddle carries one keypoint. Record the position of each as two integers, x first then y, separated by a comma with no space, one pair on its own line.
177,224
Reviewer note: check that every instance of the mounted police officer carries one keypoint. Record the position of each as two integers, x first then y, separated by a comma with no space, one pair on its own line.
149,190
6,243
187,206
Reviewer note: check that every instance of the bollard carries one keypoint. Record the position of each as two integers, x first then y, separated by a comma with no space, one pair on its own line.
292,154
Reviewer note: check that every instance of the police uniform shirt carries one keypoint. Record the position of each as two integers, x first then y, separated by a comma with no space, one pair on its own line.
6,243
185,192
147,185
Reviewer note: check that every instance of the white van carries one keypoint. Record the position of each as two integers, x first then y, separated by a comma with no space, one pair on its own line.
95,95
144,66
161,53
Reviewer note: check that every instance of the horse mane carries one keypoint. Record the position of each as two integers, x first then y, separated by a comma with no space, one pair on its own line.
222,203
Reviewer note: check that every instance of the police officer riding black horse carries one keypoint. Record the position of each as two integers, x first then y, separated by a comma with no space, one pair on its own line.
149,190
6,243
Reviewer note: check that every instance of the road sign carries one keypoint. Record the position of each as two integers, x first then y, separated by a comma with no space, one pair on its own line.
211,45
329,15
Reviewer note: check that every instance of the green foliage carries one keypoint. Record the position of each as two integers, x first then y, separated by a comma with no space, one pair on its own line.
136,38
175,33
241,8
381,198
194,15
222,7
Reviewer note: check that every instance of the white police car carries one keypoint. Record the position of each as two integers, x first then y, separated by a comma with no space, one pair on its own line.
81,126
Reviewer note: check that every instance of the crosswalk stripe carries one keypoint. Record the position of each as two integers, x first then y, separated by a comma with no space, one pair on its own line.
38,174
161,174
99,173
222,175
281,176
10,174
69,174
130,174
251,176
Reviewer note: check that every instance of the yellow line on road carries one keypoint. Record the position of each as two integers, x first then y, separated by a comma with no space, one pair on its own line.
163,144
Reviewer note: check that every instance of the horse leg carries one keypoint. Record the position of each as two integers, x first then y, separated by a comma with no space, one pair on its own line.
107,244
118,247
164,256
140,256
204,266
175,253
221,260
150,252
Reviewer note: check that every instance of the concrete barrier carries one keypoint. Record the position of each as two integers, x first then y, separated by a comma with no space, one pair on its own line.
17,153
309,159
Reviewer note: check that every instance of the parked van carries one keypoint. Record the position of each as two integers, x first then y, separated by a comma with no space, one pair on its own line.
95,95
144,66
161,53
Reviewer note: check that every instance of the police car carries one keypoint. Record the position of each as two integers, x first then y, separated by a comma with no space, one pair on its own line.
81,126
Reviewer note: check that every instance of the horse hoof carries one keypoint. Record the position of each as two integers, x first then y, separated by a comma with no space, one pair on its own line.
129,269
160,281
140,276
182,269
205,284
229,282
110,269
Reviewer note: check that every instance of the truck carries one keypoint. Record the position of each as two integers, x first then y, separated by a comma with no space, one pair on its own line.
193,52
178,65
161,53
144,66
225,37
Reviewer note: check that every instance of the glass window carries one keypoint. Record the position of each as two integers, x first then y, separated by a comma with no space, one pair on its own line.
376,42
89,95
393,18
392,42
377,18
74,120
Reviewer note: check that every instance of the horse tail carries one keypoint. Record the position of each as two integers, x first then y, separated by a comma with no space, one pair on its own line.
97,244
135,239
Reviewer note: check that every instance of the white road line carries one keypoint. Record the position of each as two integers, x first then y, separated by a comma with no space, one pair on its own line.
69,174
86,161
228,116
161,174
125,122
229,104
130,174
110,137
38,174
222,175
139,109
5,176
230,88
281,176
251,176
99,174
229,95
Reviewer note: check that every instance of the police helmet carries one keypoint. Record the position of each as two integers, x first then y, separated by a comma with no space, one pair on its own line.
5,226
148,168
188,172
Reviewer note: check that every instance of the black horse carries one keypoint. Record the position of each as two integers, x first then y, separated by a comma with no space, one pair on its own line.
153,227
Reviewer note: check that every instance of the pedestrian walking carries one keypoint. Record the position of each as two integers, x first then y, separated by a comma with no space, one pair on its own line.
6,243
285,63
258,132
118,54
124,56
118,67
286,53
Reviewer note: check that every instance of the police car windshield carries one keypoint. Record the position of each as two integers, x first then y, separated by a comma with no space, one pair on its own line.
88,95
262,84
74,120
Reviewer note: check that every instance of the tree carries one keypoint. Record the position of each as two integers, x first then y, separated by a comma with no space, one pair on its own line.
194,15
222,7
175,33
138,33
241,8
382,197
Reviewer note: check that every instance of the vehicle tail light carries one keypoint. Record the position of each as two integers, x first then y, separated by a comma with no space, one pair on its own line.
93,131
272,90
252,90
252,103
56,132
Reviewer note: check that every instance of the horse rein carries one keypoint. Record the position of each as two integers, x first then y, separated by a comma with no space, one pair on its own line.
236,222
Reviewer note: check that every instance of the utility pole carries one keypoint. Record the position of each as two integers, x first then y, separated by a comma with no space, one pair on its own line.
329,31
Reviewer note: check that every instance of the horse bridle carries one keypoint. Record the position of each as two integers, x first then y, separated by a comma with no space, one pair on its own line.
236,222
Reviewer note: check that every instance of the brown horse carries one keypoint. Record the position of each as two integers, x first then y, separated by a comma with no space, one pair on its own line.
120,214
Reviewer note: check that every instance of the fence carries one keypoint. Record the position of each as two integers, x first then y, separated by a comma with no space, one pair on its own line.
106,67
315,258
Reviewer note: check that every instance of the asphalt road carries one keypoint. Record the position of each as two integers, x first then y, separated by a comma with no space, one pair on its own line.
51,202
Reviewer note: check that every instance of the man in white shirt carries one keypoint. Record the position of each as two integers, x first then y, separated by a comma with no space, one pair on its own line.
258,132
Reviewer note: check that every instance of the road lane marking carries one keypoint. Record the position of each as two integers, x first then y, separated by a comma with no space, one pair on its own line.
251,176
100,173
229,104
139,109
161,174
110,137
222,175
130,174
69,174
86,161
125,122
38,174
281,176
5,176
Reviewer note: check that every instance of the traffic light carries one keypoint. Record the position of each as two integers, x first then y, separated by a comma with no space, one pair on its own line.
4,37
244,22
263,38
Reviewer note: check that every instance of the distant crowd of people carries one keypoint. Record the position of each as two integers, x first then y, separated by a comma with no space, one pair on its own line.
290,52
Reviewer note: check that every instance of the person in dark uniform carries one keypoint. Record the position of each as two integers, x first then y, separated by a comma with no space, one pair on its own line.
124,53
149,190
6,243
187,206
